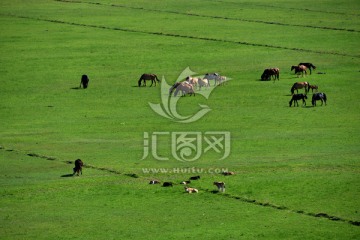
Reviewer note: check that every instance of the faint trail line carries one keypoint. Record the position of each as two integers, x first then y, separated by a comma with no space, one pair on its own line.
271,205
212,17
242,199
180,36
289,8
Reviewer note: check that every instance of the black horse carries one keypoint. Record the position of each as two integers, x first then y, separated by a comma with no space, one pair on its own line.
308,65
297,97
318,96
84,81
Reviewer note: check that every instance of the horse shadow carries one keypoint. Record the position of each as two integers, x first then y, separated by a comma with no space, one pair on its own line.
75,88
67,175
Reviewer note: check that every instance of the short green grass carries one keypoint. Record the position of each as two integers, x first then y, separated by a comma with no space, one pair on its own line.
293,161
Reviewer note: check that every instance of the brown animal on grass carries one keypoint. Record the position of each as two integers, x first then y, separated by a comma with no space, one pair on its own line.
301,69
78,167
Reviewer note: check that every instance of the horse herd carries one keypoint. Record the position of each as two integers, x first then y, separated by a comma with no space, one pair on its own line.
300,69
186,87
189,85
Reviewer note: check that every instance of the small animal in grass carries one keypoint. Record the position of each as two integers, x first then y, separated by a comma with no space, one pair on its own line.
154,182
228,173
314,87
78,167
167,184
220,186
191,190
185,182
195,178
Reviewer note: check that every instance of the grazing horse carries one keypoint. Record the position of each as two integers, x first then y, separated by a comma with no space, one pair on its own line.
312,87
220,186
203,83
228,173
185,88
191,190
297,97
173,87
220,81
299,85
212,76
192,80
269,73
84,81
318,96
78,167
308,65
152,77
299,69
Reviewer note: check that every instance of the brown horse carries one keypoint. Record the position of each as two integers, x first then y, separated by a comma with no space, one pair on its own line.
299,69
184,88
269,73
152,77
308,65
299,85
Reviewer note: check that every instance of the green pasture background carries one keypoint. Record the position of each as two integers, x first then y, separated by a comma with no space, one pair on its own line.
291,164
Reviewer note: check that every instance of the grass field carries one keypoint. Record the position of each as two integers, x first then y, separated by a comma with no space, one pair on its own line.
297,169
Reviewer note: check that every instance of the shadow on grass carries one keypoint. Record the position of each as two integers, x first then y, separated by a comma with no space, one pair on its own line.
67,175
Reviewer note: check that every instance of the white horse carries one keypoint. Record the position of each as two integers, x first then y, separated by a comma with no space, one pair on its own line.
203,83
220,80
192,80
211,76
185,88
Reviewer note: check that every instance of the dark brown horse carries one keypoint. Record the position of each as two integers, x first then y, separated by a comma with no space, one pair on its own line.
297,97
269,73
78,167
308,65
300,85
152,77
299,69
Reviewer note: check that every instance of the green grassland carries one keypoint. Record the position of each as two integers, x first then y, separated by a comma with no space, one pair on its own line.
297,169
